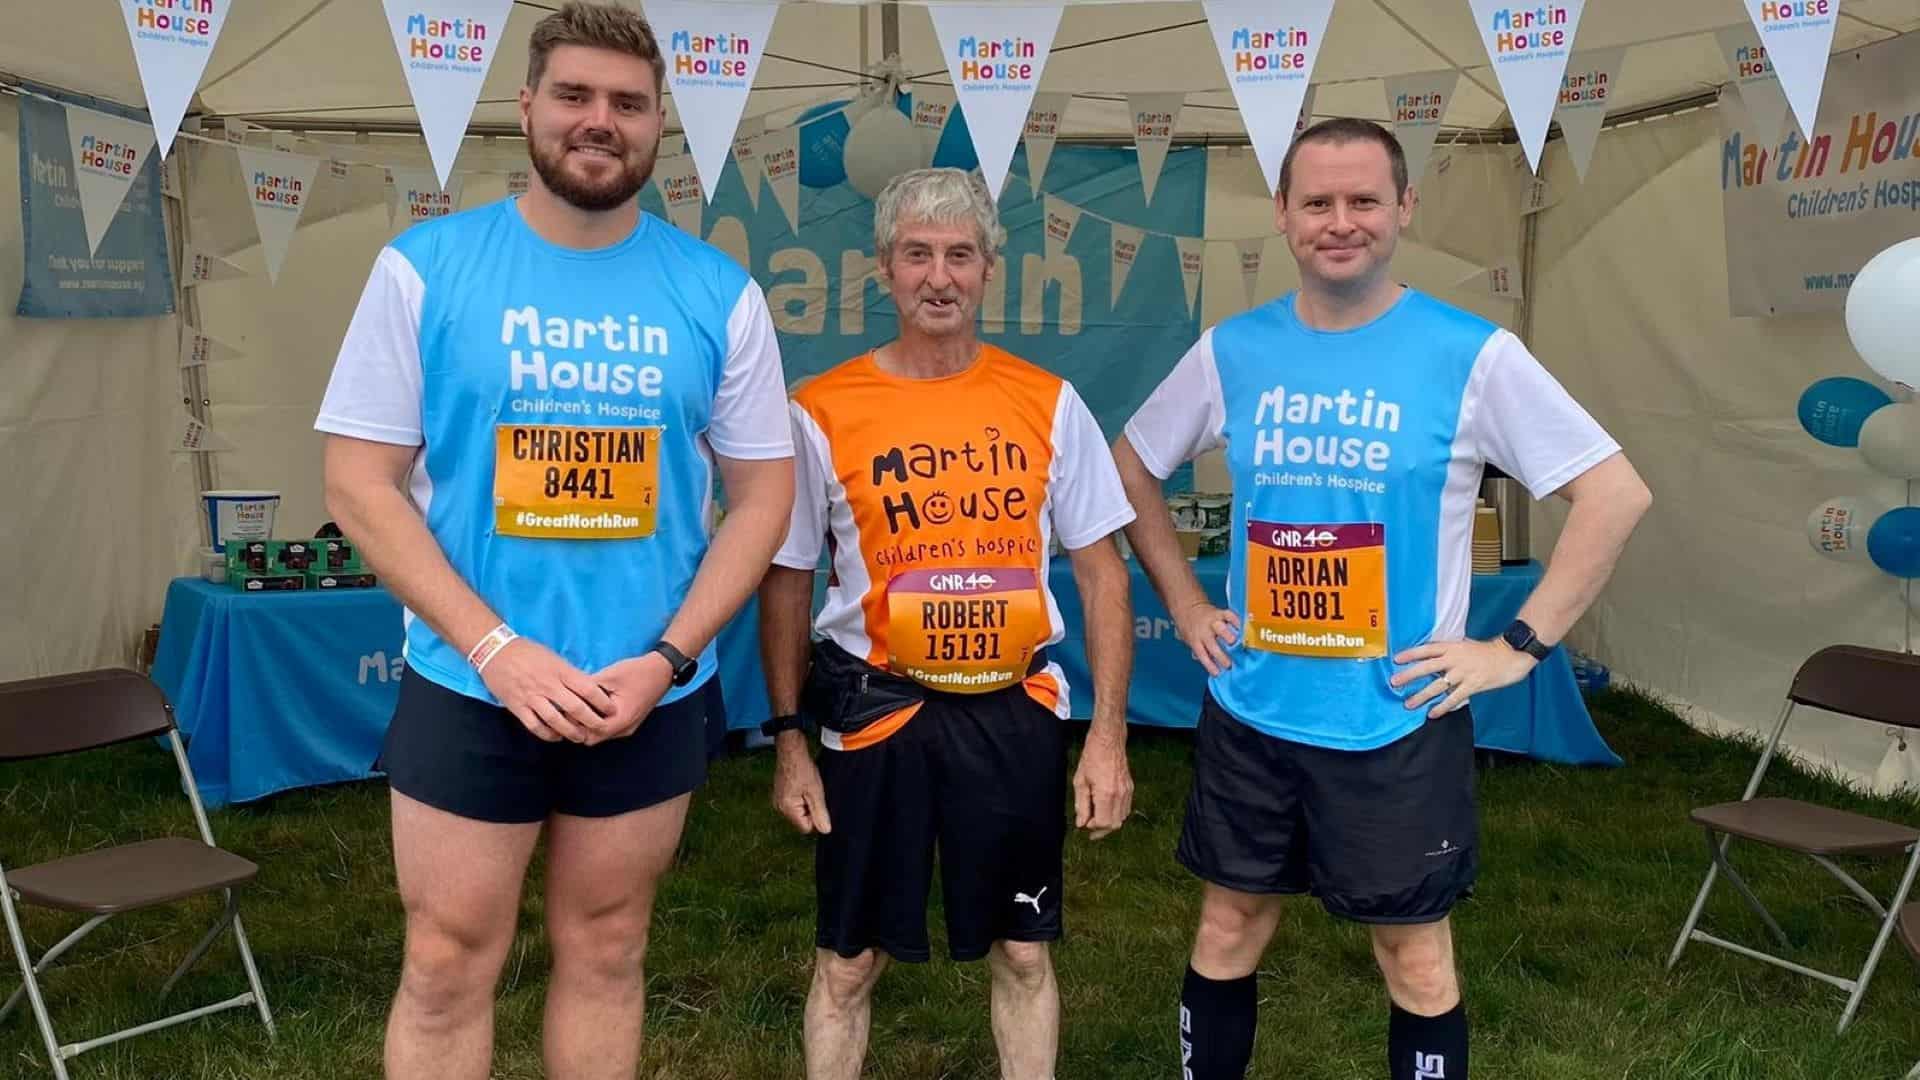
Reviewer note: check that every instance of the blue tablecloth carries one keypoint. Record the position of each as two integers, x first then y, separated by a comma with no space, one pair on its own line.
1543,717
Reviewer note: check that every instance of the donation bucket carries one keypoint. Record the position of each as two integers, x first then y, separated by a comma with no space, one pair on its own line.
239,515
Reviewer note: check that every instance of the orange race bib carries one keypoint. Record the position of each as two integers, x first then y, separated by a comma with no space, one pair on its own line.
1317,590
965,631
575,483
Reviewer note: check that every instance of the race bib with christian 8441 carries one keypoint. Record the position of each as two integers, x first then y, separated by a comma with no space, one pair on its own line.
965,631
575,483
1317,590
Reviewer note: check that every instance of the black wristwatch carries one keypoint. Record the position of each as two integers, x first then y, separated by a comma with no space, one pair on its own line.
776,725
683,665
1522,638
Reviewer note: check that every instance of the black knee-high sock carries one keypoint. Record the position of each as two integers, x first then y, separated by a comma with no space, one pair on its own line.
1216,1027
1427,1047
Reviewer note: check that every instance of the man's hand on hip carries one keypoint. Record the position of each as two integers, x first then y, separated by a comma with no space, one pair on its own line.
1209,631
550,697
1459,670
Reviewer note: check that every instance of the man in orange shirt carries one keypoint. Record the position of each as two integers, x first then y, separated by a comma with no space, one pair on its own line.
935,472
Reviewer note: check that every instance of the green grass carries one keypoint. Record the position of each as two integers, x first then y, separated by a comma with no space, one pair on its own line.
1586,877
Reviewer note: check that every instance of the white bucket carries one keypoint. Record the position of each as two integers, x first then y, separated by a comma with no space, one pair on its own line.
239,515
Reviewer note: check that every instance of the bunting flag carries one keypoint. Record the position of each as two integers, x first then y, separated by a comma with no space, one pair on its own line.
1062,218
1586,90
711,52
747,159
199,350
446,47
1538,196
392,192
1268,48
1124,249
236,130
932,107
171,44
108,154
201,267
192,436
519,182
1417,103
341,170
1044,118
1155,118
1193,260
169,179
1501,279
996,55
780,160
277,185
1752,72
1252,251
1796,36
679,181
1529,46
418,195
1306,115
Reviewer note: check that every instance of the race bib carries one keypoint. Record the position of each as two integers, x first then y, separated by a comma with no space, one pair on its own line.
575,483
1317,590
965,631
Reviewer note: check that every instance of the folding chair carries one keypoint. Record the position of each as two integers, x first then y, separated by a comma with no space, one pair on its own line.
1868,684
70,713
1910,937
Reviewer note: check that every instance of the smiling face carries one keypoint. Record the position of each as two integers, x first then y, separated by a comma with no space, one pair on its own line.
1342,215
593,125
937,273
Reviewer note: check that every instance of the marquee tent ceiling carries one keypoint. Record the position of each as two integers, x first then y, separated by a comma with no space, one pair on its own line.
315,63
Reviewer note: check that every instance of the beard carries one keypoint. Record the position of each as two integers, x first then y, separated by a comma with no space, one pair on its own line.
595,196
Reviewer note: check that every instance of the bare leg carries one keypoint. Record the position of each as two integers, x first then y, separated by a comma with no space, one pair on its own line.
839,1012
1026,1009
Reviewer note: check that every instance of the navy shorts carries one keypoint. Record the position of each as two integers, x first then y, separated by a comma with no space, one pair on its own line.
476,760
1389,835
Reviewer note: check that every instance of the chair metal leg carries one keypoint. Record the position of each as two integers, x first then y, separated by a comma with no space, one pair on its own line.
34,1000
1853,886
1693,917
253,974
47,960
1733,877
1880,942
200,948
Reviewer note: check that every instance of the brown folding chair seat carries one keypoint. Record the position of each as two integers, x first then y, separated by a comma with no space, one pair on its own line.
70,713
1873,685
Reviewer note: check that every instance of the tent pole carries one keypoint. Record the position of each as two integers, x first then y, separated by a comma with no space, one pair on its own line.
1529,257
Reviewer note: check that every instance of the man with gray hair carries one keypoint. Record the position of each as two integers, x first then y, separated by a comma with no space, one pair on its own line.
934,473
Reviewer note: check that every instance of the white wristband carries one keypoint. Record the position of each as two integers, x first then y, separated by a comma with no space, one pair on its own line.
490,646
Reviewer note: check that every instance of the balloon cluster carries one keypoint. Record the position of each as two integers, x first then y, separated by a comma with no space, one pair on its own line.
1883,322
862,143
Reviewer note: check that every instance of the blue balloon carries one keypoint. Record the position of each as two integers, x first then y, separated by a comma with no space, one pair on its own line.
1832,410
1894,542
823,141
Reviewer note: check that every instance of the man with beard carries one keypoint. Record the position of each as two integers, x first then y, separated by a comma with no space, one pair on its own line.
936,471
524,424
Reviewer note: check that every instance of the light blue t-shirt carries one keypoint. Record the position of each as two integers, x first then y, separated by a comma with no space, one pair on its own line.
568,405
1356,458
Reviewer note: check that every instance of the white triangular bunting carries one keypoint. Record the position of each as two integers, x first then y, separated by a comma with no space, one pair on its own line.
418,195
192,436
1193,259
277,185
393,196
932,107
200,267
1529,47
1752,72
198,350
108,153
995,54
1306,115
1124,249
341,170
1538,196
169,179
446,47
1417,104
236,130
172,40
519,182
1155,118
780,160
1251,252
1044,117
711,52
679,181
1586,92
1797,35
747,159
1062,218
1268,48
1501,279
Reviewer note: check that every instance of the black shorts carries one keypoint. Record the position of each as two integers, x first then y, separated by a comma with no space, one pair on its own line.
1389,835
985,779
477,760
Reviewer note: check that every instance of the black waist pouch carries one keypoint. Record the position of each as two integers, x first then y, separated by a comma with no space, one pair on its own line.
844,693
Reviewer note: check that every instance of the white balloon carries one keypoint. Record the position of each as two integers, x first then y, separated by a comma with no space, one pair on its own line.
1837,528
1890,440
882,145
1883,313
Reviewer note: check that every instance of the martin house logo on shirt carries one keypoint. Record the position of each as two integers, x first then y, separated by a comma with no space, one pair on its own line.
575,365
1279,415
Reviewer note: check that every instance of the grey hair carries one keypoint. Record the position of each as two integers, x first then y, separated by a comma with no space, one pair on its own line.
944,196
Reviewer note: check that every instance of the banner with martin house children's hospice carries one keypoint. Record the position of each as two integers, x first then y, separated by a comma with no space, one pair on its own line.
1803,217
128,276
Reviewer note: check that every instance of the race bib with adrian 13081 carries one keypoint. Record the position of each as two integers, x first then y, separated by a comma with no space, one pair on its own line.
575,483
965,631
1317,590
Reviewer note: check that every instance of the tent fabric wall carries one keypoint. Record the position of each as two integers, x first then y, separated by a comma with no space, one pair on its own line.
95,514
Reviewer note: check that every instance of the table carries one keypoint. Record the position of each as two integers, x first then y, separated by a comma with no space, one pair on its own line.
282,690
1542,717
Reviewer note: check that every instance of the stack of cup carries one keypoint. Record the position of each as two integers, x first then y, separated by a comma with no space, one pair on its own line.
1486,539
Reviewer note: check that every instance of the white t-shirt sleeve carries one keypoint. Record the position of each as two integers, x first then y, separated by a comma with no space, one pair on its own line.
375,393
750,409
1184,417
1526,423
1088,501
812,490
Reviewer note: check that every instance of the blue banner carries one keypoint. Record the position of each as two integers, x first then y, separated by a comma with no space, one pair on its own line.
828,305
130,276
